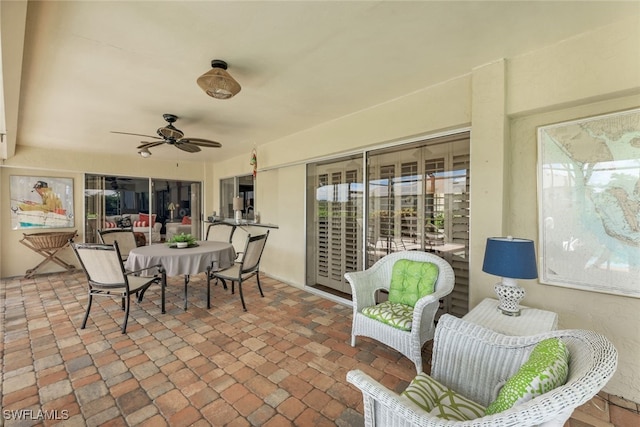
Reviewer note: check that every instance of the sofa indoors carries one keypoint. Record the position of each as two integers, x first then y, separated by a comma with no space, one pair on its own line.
175,228
139,223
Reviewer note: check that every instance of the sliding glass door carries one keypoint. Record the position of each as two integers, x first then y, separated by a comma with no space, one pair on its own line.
146,205
417,198
334,222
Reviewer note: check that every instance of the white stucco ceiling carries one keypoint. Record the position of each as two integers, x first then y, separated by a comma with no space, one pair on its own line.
92,67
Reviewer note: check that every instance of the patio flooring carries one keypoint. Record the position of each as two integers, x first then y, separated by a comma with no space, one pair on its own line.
281,363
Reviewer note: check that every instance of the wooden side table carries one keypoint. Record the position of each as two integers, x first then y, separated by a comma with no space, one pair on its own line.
530,322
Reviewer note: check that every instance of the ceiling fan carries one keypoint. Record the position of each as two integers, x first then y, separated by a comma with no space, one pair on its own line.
173,136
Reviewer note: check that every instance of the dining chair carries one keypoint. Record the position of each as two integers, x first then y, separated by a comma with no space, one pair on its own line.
240,271
220,232
125,238
106,276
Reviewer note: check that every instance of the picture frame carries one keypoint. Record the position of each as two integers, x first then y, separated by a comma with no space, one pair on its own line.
41,202
589,203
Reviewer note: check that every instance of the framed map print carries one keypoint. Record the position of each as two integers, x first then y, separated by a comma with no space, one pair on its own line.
41,202
589,203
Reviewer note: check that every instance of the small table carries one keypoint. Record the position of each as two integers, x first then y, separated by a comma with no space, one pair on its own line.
187,261
530,322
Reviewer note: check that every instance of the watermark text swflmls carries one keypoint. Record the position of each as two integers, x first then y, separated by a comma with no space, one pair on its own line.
35,414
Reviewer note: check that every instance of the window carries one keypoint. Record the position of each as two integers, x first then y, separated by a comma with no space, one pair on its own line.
238,186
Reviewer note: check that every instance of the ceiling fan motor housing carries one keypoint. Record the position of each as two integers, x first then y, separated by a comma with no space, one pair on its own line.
170,132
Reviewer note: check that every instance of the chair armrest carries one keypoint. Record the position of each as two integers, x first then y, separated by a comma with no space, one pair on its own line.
364,285
137,272
384,407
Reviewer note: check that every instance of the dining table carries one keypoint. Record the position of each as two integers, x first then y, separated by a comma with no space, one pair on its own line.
203,256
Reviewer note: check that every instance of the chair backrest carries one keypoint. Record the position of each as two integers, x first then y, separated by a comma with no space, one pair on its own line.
102,264
125,238
474,361
384,269
253,252
220,232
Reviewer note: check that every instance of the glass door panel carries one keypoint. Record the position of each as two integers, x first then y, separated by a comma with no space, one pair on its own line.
334,222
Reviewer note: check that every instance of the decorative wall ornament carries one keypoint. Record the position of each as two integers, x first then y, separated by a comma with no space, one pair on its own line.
41,202
589,203
254,162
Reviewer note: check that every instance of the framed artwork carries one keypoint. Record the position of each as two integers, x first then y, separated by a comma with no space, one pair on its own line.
589,203
41,202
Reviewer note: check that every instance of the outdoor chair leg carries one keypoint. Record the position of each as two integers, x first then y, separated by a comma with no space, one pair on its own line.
259,287
126,314
86,315
209,287
244,307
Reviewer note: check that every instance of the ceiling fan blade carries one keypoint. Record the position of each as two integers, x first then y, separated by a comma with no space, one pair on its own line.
202,142
137,134
185,146
149,144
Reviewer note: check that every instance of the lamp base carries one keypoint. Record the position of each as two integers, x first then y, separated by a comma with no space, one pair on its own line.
238,217
510,296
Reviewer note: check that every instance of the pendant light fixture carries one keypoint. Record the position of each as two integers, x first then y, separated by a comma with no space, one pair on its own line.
217,83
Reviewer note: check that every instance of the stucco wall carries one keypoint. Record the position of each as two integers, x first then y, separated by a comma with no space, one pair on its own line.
16,258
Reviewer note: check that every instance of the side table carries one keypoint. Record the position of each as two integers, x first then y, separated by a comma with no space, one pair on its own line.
530,322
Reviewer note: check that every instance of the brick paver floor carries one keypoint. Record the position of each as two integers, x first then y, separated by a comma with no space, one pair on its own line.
281,363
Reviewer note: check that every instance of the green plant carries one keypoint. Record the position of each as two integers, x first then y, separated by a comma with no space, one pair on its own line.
182,238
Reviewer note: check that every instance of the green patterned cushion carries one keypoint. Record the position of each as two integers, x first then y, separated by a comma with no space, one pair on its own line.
441,401
397,315
411,280
546,369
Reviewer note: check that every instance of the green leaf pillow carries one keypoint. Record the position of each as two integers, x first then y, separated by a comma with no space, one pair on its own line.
412,280
441,401
546,369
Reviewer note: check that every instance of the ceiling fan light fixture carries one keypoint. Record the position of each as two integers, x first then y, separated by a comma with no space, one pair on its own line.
217,83
144,152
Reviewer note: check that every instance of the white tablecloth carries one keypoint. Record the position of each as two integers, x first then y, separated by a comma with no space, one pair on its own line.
187,261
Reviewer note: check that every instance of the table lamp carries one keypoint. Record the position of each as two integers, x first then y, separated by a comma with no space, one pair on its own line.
510,258
238,206
171,208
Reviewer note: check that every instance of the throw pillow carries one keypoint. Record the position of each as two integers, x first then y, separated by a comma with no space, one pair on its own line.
399,316
440,401
186,220
145,217
412,280
139,223
124,222
546,369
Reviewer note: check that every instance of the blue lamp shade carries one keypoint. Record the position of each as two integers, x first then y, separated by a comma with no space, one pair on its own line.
510,257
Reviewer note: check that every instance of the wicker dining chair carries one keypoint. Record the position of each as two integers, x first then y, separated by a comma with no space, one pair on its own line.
241,271
473,362
106,276
366,284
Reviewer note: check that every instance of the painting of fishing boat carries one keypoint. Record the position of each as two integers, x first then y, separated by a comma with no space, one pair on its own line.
41,202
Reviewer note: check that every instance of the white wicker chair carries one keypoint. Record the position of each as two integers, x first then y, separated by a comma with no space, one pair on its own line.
364,285
474,361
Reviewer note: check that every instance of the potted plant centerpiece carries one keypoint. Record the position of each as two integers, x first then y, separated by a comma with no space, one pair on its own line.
182,241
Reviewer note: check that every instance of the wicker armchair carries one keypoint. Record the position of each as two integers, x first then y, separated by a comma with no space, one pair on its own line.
474,361
364,285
